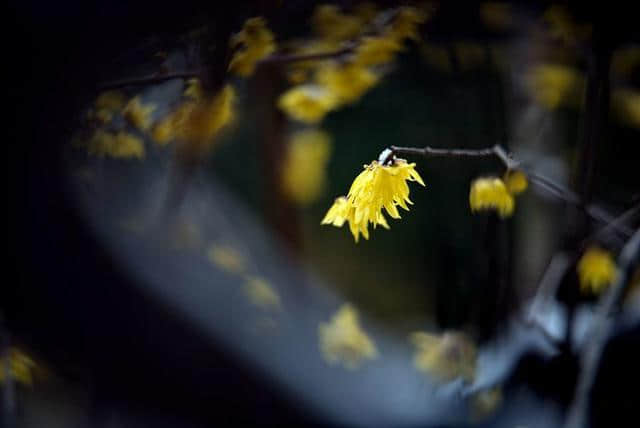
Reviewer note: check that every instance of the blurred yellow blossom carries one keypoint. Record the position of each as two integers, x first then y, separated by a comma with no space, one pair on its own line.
307,103
304,172
227,258
382,186
261,293
490,193
446,357
138,114
343,211
376,50
20,365
299,71
484,403
596,270
110,100
516,181
121,145
406,22
343,340
257,43
331,24
346,82
626,104
193,89
555,85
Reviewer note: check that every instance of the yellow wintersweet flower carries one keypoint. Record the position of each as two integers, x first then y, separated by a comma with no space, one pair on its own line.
226,258
120,145
555,85
491,194
376,50
261,294
193,89
343,211
343,340
381,186
307,103
484,403
257,43
406,22
304,171
138,114
347,82
20,366
333,25
516,181
596,270
446,357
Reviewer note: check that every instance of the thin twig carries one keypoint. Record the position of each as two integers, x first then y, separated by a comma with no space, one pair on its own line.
603,324
287,59
150,80
496,151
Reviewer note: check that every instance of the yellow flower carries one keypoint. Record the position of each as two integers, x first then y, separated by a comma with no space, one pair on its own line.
347,82
110,100
343,211
446,357
193,89
138,114
596,270
406,22
381,186
304,171
331,24
491,194
20,365
120,145
376,50
226,258
515,181
484,403
343,340
555,85
258,43
307,103
261,294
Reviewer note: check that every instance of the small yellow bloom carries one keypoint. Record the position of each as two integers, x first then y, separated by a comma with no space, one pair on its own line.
446,357
406,22
261,294
257,43
347,82
333,25
307,103
382,186
555,85
138,114
193,89
20,365
491,194
376,50
121,145
343,211
343,340
596,270
110,100
227,258
304,172
484,403
516,181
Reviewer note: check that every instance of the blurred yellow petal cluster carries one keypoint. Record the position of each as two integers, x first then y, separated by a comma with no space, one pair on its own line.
304,173
377,187
106,105
261,294
490,193
331,24
626,104
193,89
227,258
347,82
376,50
197,122
516,181
307,103
138,114
484,403
596,270
343,340
555,85
20,366
121,145
446,357
257,43
406,22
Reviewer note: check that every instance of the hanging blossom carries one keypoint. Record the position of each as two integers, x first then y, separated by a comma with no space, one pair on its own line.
493,193
596,270
379,186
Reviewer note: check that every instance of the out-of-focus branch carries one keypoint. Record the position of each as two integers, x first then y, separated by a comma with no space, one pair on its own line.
603,323
151,79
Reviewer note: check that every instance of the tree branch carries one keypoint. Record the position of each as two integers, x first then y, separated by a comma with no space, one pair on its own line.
603,324
150,80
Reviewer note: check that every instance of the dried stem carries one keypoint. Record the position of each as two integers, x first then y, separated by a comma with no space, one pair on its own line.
603,324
